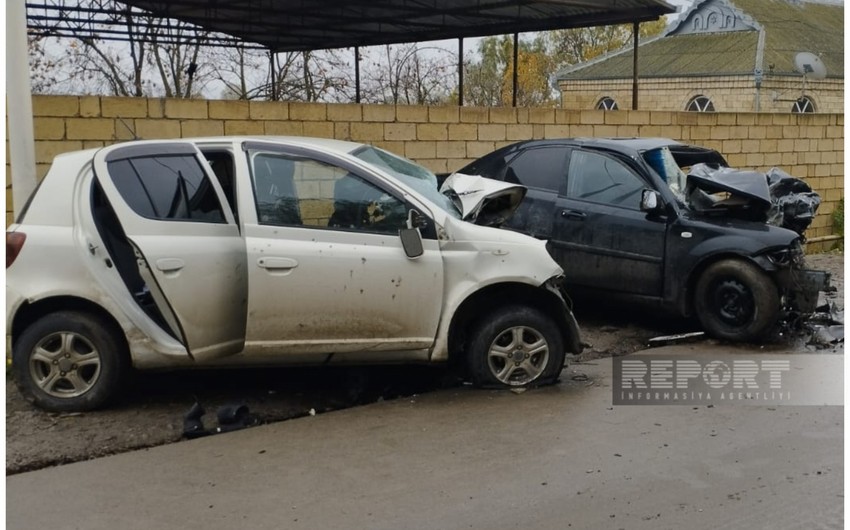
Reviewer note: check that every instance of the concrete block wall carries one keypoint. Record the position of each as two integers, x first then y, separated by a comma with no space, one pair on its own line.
447,138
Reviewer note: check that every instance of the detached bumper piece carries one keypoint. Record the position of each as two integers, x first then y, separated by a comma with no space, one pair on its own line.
803,288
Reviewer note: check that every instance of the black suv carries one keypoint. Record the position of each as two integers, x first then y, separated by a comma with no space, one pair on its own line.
623,219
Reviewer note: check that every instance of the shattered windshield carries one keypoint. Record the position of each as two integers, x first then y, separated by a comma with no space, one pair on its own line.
662,161
408,172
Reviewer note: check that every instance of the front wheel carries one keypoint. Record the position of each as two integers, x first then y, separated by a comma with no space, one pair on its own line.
516,346
69,361
735,300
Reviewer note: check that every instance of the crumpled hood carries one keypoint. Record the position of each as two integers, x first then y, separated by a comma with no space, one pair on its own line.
774,197
749,184
481,200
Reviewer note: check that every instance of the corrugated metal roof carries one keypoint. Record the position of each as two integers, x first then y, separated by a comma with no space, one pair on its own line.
793,27
296,25
790,27
680,55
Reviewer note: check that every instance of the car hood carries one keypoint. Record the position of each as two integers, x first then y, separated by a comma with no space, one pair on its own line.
774,197
750,185
481,200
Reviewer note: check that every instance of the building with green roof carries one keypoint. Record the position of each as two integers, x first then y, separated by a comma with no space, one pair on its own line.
726,56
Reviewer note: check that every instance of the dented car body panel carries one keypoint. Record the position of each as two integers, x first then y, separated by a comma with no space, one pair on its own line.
217,273
483,201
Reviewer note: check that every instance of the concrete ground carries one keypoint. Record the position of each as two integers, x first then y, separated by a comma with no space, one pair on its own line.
558,457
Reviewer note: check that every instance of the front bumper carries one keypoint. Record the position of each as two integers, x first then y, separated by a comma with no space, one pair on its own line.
802,287
572,334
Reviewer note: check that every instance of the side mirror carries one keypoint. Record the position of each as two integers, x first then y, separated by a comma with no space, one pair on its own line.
650,201
411,239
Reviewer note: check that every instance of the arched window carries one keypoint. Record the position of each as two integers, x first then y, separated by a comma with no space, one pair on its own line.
607,103
803,105
700,104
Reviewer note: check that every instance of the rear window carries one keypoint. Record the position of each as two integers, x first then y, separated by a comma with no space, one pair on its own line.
543,167
167,187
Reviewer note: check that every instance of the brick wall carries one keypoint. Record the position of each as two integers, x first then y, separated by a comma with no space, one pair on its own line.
447,138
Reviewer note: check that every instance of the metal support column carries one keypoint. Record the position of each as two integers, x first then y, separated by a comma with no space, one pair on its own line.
516,59
357,74
460,72
273,76
19,105
636,31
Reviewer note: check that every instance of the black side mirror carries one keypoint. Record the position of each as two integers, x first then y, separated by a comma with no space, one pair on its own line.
411,239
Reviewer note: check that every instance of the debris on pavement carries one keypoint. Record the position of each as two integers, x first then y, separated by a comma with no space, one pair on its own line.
826,325
231,417
679,338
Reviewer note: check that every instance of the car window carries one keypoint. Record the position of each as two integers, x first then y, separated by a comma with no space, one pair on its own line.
543,167
407,171
491,166
599,178
167,187
221,162
296,191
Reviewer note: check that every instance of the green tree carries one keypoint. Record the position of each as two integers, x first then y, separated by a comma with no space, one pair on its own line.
488,81
577,45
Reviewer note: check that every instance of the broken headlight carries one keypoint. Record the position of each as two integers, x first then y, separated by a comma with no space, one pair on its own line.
791,256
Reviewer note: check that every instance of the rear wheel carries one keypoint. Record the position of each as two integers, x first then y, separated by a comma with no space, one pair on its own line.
516,346
735,300
69,361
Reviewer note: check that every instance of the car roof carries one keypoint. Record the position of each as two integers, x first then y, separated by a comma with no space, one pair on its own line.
619,144
325,144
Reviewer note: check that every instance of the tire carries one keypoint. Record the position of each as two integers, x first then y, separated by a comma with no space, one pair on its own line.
515,346
70,362
735,300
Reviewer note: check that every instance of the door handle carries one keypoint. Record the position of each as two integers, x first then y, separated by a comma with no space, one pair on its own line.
170,264
277,263
573,214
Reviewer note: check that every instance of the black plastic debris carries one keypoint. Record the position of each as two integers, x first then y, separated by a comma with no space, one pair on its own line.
193,426
825,326
231,417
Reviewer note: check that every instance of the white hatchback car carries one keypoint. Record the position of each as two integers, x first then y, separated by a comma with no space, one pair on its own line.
258,251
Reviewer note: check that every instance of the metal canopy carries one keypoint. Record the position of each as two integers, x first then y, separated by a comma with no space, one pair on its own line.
301,25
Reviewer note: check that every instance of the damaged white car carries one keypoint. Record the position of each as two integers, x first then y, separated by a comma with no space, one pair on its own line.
261,251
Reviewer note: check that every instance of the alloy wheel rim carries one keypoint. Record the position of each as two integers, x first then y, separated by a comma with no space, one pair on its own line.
518,355
65,364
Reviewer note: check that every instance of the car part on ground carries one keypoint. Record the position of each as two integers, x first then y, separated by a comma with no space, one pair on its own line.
231,417
297,251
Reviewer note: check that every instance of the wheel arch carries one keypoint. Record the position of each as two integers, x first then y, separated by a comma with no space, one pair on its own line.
28,313
479,303
686,302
